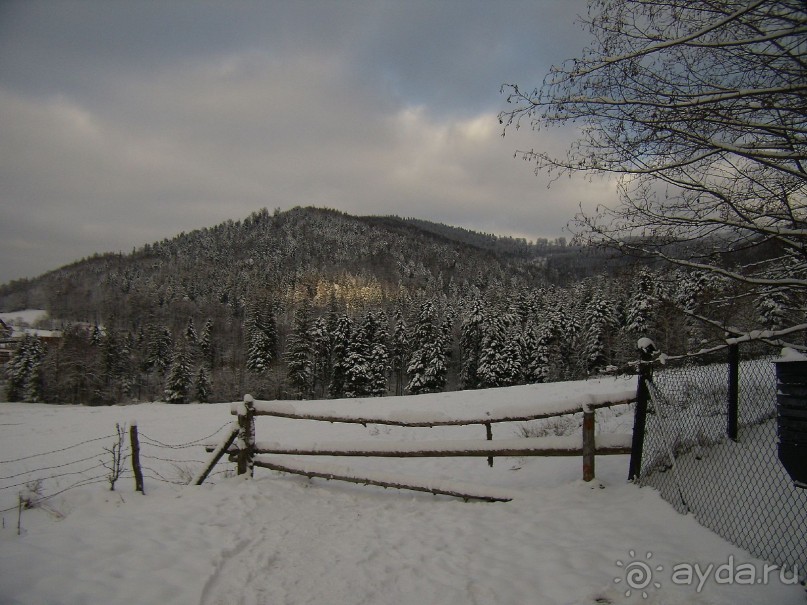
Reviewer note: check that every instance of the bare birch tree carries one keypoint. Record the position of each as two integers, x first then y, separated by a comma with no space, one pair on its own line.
698,109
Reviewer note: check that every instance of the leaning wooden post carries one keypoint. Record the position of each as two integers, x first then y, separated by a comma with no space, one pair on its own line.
646,348
135,443
734,391
223,448
246,436
489,434
588,443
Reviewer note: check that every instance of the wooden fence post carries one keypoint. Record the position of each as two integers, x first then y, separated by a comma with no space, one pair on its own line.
588,443
489,435
135,443
646,348
734,392
246,436
218,452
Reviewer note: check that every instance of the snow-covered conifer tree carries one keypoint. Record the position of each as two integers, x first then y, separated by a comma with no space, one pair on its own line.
321,360
427,365
96,337
597,333
190,333
203,388
367,362
205,343
24,371
342,333
262,337
358,371
178,383
160,345
260,353
537,356
642,304
500,360
774,307
472,333
399,350
379,354
300,352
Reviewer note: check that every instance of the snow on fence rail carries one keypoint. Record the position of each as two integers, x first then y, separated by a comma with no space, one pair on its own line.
398,414
242,447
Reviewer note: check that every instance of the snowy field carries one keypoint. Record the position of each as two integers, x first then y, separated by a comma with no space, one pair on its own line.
26,317
281,539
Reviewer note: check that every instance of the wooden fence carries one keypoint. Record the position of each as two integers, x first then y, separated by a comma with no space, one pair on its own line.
247,452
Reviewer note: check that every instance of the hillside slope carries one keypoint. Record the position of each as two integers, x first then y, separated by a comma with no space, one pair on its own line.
284,251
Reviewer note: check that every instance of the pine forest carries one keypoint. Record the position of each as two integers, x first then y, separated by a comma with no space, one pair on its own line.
315,303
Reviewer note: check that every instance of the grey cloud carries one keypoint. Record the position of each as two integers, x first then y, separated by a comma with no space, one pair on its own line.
192,117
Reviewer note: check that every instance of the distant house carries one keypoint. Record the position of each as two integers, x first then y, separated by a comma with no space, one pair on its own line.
7,343
11,336
5,330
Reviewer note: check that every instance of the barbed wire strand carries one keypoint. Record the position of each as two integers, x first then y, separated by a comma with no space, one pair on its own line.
81,483
125,474
160,477
89,481
57,451
157,443
172,460
33,480
48,468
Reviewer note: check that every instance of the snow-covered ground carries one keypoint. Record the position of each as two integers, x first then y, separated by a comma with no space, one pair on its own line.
286,539
25,317
21,322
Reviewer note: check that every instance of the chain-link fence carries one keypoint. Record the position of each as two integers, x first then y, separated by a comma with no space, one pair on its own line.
739,489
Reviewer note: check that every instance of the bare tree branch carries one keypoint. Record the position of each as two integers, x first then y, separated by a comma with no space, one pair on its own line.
699,107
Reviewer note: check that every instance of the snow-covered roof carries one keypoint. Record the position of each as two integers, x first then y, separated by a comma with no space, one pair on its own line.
24,316
19,333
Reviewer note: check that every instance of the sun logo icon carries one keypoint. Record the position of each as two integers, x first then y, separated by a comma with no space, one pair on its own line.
638,574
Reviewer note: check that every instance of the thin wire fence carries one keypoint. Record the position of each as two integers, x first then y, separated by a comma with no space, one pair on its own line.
37,478
739,489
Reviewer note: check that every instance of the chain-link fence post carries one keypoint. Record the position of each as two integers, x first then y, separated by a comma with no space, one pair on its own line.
734,392
646,348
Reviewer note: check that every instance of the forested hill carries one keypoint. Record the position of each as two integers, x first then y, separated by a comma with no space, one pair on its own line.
314,302
301,251
506,246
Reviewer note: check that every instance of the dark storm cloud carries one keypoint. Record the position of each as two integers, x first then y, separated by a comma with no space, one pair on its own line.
122,123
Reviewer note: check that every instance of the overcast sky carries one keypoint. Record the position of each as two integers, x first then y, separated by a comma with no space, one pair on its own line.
124,122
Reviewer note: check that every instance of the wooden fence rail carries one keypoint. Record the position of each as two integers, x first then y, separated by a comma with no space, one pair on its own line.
522,413
533,446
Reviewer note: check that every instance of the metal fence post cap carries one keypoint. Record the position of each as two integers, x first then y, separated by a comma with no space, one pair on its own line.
645,345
